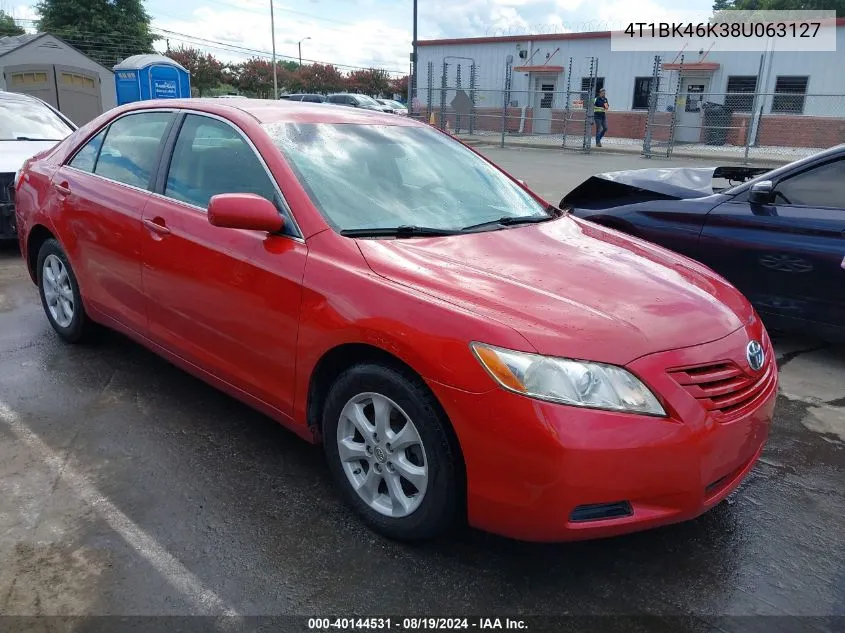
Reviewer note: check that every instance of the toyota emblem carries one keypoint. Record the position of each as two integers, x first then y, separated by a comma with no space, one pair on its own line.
755,355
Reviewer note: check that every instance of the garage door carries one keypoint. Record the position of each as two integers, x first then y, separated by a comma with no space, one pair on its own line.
80,98
75,92
38,81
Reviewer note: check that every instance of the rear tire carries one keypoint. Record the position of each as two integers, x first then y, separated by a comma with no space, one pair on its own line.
60,295
390,454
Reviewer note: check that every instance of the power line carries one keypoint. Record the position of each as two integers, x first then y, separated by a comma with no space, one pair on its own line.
115,43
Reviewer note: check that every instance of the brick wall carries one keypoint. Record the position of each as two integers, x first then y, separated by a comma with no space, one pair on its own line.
783,130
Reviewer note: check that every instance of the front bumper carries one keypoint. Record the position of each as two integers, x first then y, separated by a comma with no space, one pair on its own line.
8,230
535,470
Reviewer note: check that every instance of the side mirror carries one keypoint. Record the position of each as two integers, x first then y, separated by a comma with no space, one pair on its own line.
244,211
762,192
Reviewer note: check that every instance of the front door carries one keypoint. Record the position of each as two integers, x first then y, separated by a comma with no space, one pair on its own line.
102,191
689,111
226,300
788,257
543,102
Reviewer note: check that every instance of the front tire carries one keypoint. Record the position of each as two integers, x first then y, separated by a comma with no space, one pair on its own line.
389,452
60,295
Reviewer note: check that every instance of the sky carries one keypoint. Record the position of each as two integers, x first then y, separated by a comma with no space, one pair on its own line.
378,33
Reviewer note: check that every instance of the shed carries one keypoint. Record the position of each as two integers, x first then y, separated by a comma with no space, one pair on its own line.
44,66
144,77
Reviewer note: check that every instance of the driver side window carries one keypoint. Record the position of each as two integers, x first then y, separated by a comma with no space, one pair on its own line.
817,187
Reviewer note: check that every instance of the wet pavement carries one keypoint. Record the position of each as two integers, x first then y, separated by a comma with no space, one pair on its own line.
128,487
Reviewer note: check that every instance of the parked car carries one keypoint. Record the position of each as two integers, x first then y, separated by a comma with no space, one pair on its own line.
358,101
28,126
463,350
311,98
397,107
777,236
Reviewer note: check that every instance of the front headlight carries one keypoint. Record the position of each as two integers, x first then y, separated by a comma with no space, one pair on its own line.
572,382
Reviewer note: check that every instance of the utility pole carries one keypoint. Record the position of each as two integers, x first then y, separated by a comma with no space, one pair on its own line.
273,30
299,44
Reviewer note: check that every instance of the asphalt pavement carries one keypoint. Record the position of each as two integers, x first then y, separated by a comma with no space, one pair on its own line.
129,488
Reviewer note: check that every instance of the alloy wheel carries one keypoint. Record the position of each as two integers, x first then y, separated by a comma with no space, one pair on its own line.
58,291
382,455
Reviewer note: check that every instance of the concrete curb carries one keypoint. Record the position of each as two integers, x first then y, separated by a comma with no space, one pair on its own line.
637,151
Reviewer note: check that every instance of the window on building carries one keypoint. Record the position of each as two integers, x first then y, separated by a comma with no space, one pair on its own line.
740,97
598,84
642,90
790,92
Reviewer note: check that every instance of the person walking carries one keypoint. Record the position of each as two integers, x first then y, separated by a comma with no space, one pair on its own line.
600,108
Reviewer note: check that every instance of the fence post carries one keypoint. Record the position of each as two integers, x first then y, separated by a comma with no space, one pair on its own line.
472,78
654,88
429,91
457,88
443,95
506,96
589,111
566,109
671,142
751,127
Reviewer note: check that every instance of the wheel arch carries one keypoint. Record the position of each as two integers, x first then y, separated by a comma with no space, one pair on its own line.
338,359
38,234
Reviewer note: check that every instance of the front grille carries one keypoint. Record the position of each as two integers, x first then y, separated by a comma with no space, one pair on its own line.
7,205
723,388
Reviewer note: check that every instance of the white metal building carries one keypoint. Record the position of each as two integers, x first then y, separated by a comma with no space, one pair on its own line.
794,88
46,67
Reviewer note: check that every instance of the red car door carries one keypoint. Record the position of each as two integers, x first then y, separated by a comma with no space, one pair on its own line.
101,192
226,300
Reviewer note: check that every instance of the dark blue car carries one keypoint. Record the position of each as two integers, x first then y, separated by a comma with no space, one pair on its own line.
779,236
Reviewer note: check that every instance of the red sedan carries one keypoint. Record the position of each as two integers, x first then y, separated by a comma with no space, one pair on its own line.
463,350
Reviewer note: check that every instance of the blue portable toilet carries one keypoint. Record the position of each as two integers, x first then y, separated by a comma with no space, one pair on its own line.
144,77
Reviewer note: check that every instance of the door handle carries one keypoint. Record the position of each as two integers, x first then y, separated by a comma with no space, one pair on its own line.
62,188
157,226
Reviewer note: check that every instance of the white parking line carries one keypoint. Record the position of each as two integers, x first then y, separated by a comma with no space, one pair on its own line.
203,599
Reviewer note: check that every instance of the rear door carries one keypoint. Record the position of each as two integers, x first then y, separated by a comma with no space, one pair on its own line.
226,300
101,192
786,257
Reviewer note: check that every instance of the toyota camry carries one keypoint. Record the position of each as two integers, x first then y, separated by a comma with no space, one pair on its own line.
464,351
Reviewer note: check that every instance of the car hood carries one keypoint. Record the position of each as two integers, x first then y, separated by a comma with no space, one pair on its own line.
665,182
571,288
14,153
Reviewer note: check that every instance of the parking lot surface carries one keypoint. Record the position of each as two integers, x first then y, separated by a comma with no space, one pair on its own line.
129,488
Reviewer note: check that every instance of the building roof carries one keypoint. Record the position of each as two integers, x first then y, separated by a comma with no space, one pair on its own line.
142,61
11,43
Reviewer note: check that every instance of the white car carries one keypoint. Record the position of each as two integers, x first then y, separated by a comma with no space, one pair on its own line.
28,126
396,106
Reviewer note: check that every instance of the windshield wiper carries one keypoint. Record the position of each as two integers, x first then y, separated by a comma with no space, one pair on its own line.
510,220
30,138
398,231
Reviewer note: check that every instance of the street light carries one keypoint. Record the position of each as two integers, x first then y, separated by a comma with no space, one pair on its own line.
300,49
273,33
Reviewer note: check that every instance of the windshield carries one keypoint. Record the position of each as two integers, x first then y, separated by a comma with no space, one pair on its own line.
30,120
381,176
365,100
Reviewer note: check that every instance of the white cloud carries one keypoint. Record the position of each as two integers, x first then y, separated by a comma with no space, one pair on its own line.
365,43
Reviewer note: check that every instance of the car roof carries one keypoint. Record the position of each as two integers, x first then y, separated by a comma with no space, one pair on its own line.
17,96
280,111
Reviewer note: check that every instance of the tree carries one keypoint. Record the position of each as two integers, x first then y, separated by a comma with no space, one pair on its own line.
400,86
8,26
255,77
105,30
320,78
371,82
782,5
206,70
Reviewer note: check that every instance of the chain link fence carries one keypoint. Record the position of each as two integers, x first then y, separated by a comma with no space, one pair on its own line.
676,115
